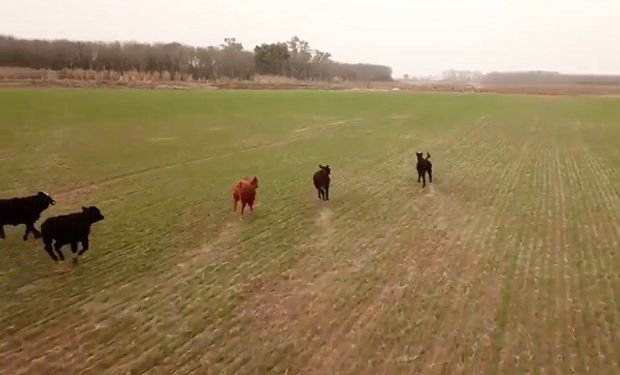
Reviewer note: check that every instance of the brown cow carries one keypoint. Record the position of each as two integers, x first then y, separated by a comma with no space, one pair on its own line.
245,191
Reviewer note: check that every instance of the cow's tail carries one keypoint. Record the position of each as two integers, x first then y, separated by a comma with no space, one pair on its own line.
428,156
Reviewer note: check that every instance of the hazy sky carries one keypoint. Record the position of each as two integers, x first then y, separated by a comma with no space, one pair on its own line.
412,36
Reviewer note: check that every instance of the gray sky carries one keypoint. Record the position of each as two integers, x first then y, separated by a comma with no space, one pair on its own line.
412,36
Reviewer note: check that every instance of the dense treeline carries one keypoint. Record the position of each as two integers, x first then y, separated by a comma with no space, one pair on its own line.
293,59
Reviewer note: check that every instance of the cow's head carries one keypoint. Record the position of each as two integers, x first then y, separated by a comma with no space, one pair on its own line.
92,213
46,198
325,168
418,155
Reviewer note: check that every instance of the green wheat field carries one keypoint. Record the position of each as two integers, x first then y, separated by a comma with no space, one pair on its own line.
509,263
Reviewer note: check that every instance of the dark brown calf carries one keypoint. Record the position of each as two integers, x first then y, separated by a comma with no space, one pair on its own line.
424,166
321,181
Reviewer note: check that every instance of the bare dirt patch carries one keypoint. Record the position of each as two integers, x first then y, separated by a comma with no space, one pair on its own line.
203,254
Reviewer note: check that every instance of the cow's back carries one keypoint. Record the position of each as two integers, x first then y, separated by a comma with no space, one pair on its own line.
237,190
65,225
247,191
320,179
6,210
13,211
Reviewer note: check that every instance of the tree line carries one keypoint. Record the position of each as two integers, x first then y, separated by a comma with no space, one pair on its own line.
294,58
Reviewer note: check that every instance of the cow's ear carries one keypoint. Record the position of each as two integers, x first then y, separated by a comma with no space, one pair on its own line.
327,166
320,166
83,209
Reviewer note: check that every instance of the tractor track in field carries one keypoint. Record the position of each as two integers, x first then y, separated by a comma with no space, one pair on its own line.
579,330
521,247
560,241
519,264
483,234
601,238
588,261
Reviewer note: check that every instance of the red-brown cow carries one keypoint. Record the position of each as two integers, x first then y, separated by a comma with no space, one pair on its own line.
245,191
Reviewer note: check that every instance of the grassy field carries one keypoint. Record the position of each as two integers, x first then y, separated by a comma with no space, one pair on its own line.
509,263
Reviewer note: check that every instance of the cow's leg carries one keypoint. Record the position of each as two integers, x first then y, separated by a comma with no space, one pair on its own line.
57,247
47,241
423,179
2,235
242,207
235,201
36,232
419,175
326,193
430,175
84,245
48,249
28,229
320,193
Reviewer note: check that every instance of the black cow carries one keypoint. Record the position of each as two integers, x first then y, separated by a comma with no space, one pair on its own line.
424,166
25,210
69,229
321,181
